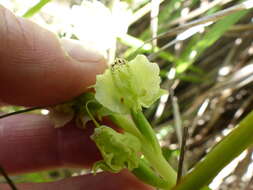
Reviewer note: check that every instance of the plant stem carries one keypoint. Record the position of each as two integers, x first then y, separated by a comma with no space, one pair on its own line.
155,158
146,174
152,150
90,115
182,154
146,130
8,180
160,164
20,111
223,153
126,124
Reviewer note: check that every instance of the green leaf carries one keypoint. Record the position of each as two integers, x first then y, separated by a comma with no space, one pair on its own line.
36,8
129,86
118,150
222,154
197,46
206,188
36,177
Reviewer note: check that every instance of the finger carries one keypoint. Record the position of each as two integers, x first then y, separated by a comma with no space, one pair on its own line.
2,104
30,143
102,181
36,69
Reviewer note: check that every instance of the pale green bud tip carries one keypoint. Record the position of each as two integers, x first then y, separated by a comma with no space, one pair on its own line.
118,150
129,85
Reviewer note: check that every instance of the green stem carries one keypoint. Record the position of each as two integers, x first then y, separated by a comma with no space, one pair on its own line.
90,115
222,154
146,130
160,164
152,150
146,174
155,158
125,123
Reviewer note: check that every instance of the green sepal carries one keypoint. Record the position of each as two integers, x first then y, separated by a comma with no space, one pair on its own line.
119,150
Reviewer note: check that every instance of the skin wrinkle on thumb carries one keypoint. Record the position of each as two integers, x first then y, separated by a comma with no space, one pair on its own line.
35,70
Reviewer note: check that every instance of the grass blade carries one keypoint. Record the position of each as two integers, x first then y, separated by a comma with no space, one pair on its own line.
36,8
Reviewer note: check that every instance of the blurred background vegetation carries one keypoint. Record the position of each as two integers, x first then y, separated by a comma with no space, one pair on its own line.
205,52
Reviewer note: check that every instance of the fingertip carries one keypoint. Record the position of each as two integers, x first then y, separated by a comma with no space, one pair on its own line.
36,69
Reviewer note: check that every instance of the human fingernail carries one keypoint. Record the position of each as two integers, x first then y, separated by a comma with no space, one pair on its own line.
82,52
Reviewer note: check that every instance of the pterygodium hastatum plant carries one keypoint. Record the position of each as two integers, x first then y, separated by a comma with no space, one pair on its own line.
124,89
120,93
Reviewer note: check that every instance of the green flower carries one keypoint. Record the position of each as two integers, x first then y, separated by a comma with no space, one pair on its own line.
129,86
118,150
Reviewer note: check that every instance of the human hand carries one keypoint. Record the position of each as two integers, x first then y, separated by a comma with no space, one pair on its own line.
36,69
